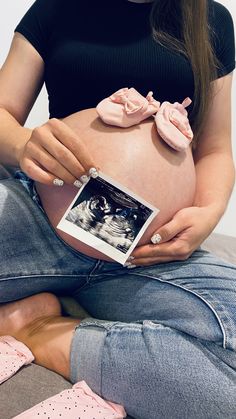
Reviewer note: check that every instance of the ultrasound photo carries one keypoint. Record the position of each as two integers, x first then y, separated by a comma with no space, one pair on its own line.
107,216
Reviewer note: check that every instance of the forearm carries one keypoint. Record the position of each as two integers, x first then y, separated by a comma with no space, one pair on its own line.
13,137
215,180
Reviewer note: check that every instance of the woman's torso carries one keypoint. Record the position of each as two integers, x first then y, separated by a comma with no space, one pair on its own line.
137,158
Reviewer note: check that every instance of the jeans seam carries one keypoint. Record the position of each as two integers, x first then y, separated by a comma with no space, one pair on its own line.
98,324
97,264
102,361
224,337
42,275
75,294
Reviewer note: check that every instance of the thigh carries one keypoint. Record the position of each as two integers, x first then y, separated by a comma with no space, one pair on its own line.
195,296
5,173
32,257
153,370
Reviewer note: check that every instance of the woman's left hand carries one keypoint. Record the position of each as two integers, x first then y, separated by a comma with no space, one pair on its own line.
178,238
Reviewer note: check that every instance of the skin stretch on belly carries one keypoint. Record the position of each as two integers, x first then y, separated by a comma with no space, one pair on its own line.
137,158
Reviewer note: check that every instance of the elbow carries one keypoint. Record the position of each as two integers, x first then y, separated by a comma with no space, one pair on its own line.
6,112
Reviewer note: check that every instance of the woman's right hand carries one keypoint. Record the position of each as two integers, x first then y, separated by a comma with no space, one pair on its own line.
51,151
54,152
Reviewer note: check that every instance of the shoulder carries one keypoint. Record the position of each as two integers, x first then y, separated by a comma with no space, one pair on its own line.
38,22
219,14
222,35
45,7
220,17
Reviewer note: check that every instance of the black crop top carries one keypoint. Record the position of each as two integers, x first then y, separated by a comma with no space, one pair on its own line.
91,48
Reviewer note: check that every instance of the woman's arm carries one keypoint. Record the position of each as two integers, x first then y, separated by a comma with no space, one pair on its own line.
213,156
215,172
21,79
44,153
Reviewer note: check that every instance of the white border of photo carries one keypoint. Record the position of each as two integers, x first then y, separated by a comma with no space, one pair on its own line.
97,243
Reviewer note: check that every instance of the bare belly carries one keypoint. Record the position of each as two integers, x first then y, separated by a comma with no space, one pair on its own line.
137,158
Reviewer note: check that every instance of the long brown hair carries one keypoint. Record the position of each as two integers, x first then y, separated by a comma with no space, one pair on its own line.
183,25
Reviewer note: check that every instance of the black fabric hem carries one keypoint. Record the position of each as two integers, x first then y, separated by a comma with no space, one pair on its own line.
30,37
226,70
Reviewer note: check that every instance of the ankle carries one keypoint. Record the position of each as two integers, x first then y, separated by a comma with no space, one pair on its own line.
17,314
49,339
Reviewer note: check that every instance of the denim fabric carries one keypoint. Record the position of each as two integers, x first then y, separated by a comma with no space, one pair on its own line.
161,340
29,185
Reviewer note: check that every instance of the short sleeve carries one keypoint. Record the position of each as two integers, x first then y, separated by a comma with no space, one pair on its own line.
37,24
223,38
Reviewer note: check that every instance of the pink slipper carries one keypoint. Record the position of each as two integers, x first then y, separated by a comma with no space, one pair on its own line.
78,402
173,124
127,107
13,355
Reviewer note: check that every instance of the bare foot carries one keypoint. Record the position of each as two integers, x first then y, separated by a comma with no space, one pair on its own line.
36,321
16,315
49,339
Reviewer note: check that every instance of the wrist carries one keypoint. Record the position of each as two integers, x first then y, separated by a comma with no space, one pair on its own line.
20,144
215,212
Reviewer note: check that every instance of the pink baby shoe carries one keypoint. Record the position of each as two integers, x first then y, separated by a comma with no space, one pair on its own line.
127,107
79,402
13,355
173,124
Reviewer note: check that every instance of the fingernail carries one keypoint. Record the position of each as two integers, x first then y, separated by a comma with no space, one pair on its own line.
156,239
77,183
58,182
130,258
93,172
84,179
131,266
126,264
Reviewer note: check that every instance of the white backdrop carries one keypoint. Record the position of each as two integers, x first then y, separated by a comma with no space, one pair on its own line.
11,12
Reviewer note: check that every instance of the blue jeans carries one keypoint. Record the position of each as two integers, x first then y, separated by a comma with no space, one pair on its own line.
161,340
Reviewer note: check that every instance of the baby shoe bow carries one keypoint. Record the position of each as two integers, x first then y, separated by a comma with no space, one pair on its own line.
173,124
127,107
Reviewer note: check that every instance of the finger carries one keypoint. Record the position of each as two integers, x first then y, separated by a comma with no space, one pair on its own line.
177,251
47,162
72,142
182,253
43,141
50,164
69,167
58,152
170,248
35,172
168,231
153,261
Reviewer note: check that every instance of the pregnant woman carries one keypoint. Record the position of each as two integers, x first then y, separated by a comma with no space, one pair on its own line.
162,332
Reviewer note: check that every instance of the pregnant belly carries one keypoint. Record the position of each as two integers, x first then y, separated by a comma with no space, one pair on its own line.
137,158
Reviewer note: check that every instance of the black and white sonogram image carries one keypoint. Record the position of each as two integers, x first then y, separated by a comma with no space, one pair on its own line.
107,216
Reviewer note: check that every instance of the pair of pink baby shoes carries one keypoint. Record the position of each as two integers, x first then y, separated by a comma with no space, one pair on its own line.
127,107
77,402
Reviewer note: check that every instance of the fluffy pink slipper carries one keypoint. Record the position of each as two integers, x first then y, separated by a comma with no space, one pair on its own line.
127,107
78,402
13,355
173,124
